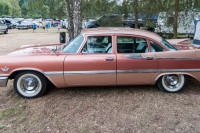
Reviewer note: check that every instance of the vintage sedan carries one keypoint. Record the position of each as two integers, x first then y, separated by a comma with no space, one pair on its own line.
100,57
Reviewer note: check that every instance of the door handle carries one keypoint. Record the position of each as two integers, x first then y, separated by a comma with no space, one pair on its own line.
149,58
109,58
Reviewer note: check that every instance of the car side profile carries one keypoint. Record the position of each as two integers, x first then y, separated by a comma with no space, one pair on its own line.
100,57
3,27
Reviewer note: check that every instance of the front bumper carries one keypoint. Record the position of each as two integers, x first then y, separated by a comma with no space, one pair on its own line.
3,81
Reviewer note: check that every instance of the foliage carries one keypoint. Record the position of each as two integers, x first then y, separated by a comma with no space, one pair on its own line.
5,8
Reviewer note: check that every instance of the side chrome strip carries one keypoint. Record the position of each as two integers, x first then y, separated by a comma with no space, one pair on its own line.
90,72
54,73
80,72
158,70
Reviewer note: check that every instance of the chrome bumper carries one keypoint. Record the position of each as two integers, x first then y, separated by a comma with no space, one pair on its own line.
3,81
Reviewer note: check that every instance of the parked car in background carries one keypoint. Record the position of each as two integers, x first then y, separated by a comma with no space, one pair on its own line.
101,57
88,25
57,22
3,27
25,25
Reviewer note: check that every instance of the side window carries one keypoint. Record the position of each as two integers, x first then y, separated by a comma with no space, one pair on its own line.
127,44
98,44
156,48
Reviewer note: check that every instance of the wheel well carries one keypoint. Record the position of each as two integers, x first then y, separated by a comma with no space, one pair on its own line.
186,75
14,74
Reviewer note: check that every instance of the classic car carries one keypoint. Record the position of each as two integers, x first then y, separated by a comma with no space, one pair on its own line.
24,25
100,57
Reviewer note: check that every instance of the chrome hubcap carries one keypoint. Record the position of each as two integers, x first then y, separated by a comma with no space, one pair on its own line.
172,81
29,85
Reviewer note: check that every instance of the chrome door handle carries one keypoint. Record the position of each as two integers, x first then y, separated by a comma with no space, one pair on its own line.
109,58
149,58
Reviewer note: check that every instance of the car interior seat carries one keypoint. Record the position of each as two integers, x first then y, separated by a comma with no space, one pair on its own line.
141,47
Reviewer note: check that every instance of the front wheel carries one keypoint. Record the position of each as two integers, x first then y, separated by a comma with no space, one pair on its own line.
30,84
171,83
6,32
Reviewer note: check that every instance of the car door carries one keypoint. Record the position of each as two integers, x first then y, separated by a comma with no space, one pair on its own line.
135,64
94,65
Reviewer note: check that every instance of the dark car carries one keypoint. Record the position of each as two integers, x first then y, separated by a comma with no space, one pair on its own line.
88,25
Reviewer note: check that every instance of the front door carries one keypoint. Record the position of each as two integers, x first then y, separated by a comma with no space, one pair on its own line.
94,65
135,64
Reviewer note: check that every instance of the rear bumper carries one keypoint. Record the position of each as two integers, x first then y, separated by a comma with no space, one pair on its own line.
3,81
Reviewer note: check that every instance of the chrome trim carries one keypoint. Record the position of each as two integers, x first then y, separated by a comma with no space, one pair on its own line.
120,71
178,58
54,73
3,78
3,81
138,71
158,70
90,72
4,75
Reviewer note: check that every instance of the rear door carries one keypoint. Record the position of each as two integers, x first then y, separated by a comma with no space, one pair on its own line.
135,64
94,65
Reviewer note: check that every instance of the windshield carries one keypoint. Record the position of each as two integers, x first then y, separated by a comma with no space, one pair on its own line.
168,45
73,46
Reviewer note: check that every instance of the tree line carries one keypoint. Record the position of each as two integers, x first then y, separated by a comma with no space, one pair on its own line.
76,10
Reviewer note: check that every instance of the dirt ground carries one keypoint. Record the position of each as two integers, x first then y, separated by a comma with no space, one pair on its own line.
124,109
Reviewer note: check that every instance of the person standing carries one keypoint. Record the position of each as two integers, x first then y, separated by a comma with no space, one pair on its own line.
59,26
34,27
43,25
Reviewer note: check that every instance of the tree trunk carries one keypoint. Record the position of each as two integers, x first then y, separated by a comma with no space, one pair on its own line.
176,19
136,17
77,18
70,17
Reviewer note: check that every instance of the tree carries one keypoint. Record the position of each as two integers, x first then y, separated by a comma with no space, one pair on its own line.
73,9
77,18
176,19
136,17
5,8
70,17
16,10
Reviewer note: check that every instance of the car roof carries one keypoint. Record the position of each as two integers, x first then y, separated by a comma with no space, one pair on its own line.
116,30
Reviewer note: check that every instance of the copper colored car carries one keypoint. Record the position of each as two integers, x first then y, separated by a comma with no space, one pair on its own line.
100,57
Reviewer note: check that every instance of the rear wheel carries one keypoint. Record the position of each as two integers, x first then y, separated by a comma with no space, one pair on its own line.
30,84
172,83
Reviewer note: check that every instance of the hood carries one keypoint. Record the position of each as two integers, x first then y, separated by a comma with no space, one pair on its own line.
183,44
37,49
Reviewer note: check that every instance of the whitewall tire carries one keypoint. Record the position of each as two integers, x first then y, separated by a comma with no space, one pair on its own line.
30,84
171,83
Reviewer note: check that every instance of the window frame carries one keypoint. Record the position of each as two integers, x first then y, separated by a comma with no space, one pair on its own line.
143,37
129,35
95,35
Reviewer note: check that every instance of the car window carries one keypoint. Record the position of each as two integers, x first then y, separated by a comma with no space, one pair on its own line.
156,48
1,22
74,45
168,45
126,44
98,44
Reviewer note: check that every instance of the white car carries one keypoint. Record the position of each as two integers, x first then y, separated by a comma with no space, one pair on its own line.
3,27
